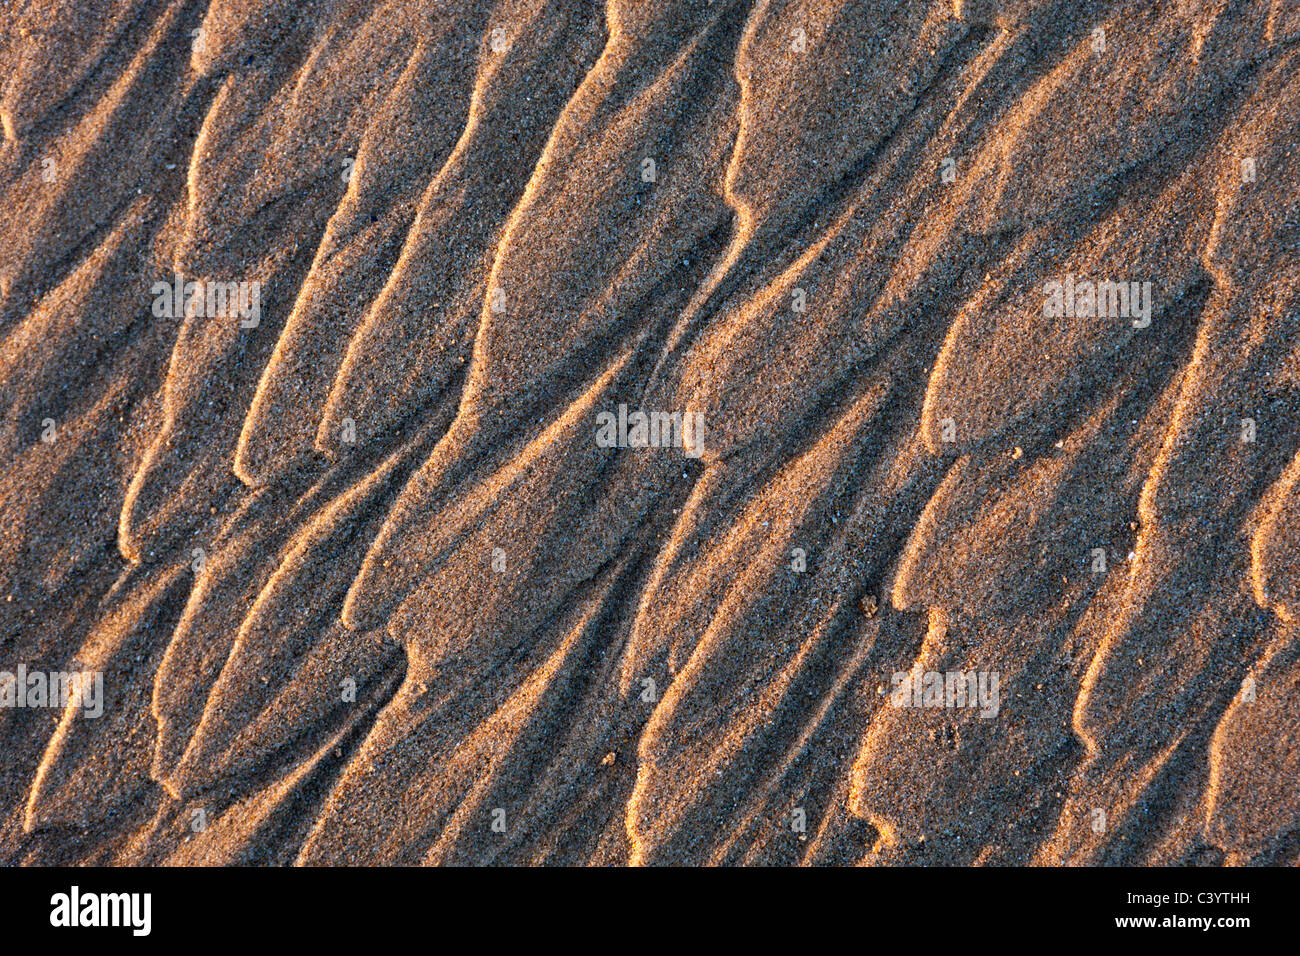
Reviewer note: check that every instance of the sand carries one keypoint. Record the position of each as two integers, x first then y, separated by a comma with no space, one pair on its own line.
362,585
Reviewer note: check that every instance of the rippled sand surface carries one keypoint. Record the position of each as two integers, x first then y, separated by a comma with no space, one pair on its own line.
366,582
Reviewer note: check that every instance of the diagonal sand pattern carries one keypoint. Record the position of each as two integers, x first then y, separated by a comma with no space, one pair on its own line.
365,587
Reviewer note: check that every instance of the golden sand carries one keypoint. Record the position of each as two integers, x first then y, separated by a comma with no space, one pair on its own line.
363,587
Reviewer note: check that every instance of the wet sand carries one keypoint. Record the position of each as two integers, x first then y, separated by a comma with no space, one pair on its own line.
984,548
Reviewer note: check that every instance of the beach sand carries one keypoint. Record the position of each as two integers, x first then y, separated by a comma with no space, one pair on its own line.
969,531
